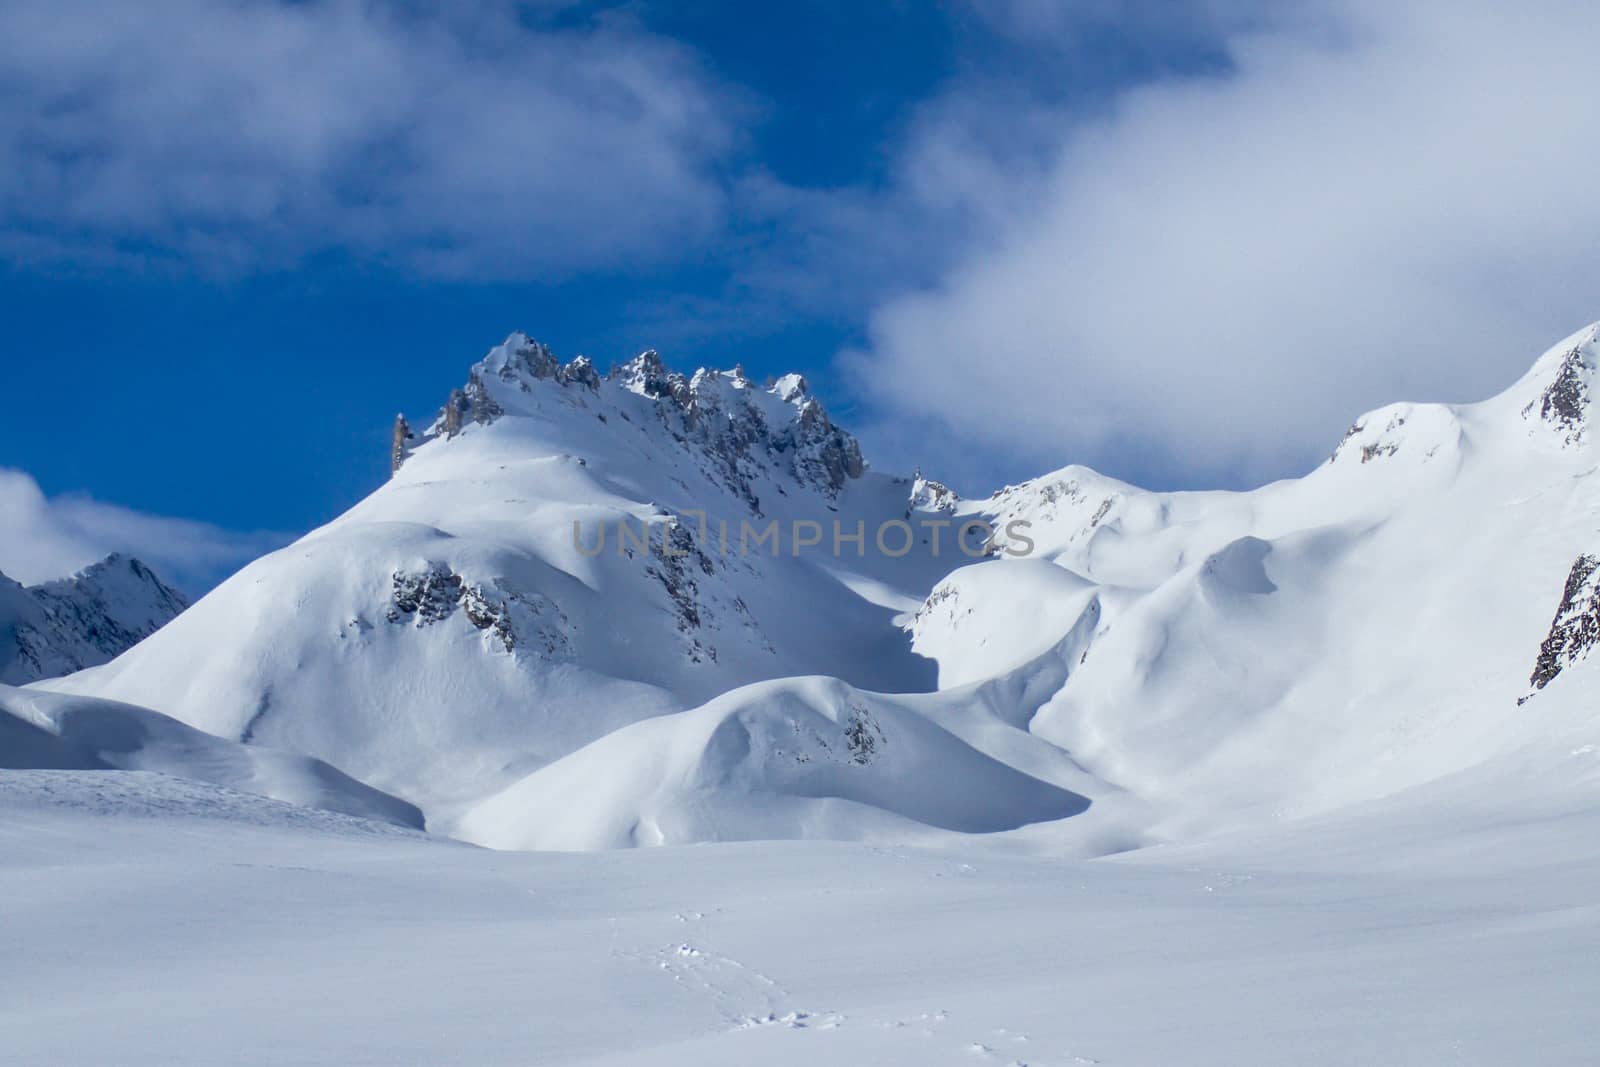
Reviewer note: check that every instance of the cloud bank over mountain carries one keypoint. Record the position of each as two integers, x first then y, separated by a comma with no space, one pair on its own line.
1213,278
44,537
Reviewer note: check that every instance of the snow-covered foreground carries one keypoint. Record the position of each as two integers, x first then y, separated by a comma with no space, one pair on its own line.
150,920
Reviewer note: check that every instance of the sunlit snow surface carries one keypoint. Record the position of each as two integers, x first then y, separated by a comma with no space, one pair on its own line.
151,921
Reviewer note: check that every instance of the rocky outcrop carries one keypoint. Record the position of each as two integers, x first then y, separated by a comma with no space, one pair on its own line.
1564,403
823,453
468,405
929,495
722,415
424,597
399,443
511,620
646,375
580,371
863,737
860,740
1576,627
674,568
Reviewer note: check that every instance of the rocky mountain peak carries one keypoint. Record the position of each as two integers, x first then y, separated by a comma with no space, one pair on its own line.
646,375
738,426
90,618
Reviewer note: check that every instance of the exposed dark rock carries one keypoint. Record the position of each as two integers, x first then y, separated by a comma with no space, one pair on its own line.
669,566
1565,400
427,597
581,372
1373,451
823,453
716,415
646,374
1576,627
487,613
531,359
863,737
263,707
513,619
470,404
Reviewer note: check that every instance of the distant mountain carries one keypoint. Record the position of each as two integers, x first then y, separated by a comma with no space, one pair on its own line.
95,615
482,639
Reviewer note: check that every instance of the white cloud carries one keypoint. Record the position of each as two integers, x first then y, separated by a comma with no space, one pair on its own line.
50,537
459,140
1377,202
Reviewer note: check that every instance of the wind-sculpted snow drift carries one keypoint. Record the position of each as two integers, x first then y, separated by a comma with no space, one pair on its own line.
1156,665
48,731
797,758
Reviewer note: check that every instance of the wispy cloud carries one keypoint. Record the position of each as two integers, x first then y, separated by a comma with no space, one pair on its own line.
1367,202
50,537
465,140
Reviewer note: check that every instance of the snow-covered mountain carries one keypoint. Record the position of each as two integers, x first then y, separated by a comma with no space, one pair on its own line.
87,619
1158,664
1378,623
462,627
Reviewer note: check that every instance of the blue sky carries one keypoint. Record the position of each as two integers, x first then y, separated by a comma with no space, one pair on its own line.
1183,242
261,397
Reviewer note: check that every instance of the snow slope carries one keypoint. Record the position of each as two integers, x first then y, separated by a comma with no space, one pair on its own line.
66,625
808,757
151,921
47,731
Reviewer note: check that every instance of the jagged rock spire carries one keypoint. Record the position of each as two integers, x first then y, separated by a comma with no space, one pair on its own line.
399,449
